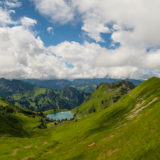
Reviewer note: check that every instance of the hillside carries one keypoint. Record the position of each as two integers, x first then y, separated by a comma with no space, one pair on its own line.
105,95
9,87
36,98
16,121
127,130
41,99
86,88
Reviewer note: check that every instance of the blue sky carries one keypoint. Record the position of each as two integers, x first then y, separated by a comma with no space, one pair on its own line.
66,32
49,39
61,32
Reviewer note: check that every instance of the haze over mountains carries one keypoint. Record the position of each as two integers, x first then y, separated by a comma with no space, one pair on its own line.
86,85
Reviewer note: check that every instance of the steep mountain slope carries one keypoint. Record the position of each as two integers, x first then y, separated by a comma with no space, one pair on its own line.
104,96
74,96
16,121
36,98
9,87
127,130
87,88
41,99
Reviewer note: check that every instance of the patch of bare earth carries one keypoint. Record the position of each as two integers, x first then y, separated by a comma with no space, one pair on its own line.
44,143
15,152
92,144
109,137
83,142
111,151
27,147
27,158
138,108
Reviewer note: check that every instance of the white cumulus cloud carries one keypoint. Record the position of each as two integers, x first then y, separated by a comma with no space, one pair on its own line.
50,30
5,18
12,3
134,24
28,22
57,10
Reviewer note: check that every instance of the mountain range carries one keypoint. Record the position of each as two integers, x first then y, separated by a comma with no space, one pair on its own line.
123,128
85,85
37,98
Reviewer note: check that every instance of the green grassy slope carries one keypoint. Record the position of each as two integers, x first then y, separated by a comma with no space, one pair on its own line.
127,130
15,121
104,96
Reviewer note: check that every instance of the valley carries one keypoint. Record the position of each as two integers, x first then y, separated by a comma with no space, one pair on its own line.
79,80
127,128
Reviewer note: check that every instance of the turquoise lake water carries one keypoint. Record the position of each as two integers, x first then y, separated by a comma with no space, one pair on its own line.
60,116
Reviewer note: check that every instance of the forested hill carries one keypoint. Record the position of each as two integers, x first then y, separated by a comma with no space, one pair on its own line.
37,98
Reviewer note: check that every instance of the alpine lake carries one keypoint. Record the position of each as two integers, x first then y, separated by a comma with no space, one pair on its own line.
59,116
